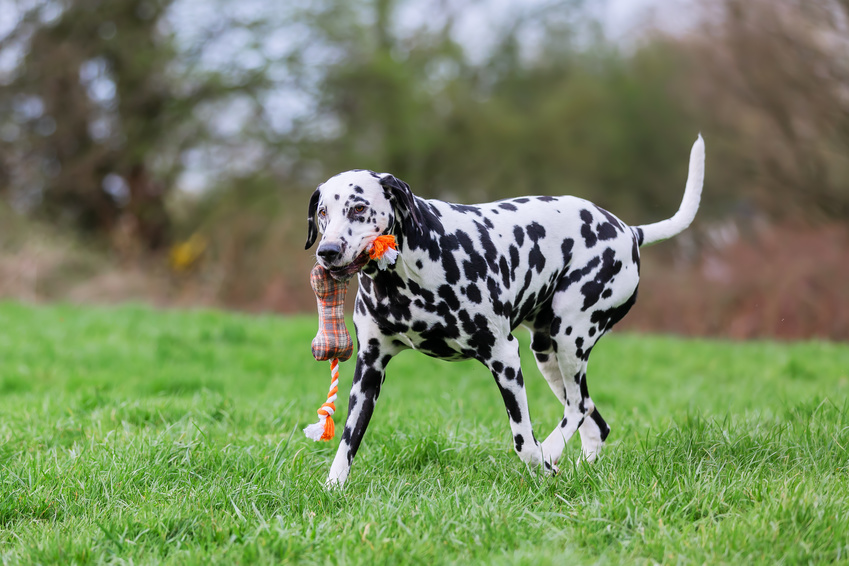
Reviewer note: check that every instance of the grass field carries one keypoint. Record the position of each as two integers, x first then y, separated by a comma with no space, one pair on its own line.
131,435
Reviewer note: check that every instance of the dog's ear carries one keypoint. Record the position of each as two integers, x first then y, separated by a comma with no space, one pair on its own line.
312,228
403,198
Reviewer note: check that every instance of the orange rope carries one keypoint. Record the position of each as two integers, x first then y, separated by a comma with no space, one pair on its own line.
325,429
380,245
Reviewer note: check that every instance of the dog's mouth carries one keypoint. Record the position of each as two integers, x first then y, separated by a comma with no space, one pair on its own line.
345,272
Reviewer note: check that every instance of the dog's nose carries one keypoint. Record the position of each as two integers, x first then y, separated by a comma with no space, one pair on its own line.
329,252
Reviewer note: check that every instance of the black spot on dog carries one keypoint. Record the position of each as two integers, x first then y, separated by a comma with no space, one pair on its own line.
449,296
536,260
609,268
426,294
602,426
612,219
605,319
492,287
365,284
577,274
540,342
589,236
535,231
507,206
566,248
465,242
482,340
635,255
518,441
519,234
490,251
606,231
505,272
514,261
466,209
555,325
511,404
473,293
449,267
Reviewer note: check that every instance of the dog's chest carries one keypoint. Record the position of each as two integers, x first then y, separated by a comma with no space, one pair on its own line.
435,322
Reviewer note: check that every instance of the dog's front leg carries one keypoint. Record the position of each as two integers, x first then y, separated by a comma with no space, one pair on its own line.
372,358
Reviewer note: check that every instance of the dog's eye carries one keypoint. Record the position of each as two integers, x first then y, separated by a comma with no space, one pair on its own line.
322,213
359,208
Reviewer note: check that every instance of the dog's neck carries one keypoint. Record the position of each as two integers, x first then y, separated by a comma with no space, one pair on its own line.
409,238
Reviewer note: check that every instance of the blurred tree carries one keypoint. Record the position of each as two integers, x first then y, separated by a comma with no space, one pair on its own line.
775,74
99,111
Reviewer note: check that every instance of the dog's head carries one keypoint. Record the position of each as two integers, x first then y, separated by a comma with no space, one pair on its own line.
351,210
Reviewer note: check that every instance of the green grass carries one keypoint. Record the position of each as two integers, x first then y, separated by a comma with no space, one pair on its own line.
131,435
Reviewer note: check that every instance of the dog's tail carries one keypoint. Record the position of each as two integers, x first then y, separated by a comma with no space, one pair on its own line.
665,229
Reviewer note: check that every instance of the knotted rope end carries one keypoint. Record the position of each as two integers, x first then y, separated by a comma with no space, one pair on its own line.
383,249
325,429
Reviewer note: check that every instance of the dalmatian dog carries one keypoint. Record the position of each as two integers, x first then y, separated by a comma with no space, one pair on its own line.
467,276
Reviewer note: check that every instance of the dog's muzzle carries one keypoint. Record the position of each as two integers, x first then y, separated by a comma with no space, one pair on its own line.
329,253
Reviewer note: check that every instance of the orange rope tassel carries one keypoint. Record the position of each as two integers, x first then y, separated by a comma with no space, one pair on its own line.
383,250
380,245
325,429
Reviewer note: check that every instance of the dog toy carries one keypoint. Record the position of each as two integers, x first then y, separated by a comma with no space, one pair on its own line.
383,250
332,342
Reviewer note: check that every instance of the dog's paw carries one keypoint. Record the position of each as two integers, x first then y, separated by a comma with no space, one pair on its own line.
589,456
550,469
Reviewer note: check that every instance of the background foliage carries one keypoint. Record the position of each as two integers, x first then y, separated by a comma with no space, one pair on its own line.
175,142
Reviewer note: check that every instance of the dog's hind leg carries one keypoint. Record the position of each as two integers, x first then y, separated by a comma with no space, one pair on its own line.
591,426
546,357
594,431
579,413
545,354
576,405
507,371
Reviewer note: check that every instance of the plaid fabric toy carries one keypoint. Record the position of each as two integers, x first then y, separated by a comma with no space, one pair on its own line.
333,341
